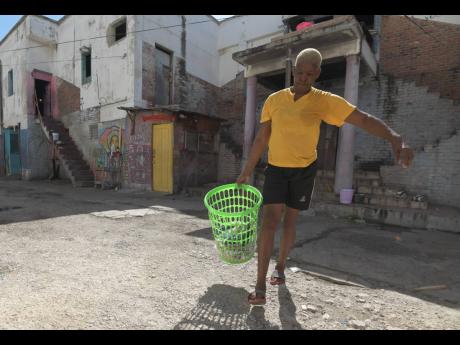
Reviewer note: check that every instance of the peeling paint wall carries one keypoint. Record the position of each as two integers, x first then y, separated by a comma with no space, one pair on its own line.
139,154
192,41
112,66
241,33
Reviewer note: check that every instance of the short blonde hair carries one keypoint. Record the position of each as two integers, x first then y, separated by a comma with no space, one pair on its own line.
310,55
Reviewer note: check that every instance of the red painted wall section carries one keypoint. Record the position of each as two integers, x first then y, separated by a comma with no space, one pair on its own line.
30,91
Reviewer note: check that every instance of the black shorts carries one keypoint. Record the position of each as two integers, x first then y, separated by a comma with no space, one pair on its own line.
290,186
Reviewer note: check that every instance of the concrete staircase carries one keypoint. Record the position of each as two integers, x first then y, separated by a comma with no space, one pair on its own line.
369,190
378,203
69,155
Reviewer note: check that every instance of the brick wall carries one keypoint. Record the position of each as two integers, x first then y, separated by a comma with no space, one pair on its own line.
435,172
228,165
421,117
428,53
232,107
2,157
193,93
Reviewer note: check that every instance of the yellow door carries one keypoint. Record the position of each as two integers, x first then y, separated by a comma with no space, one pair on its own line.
163,158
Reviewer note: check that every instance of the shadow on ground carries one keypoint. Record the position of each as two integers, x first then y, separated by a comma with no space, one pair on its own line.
22,201
224,307
420,263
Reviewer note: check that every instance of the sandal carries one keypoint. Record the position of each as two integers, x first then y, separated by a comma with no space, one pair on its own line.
277,278
257,297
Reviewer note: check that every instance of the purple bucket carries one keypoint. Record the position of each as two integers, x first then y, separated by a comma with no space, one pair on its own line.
346,196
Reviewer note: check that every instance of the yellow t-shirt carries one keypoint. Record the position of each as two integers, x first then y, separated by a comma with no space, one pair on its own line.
295,126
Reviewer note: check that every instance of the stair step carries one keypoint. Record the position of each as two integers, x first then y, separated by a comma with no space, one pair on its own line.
360,175
385,191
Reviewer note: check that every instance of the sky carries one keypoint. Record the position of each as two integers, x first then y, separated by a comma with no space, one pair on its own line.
7,22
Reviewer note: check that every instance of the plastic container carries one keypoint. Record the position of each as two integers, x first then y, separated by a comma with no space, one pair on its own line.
346,196
303,25
233,211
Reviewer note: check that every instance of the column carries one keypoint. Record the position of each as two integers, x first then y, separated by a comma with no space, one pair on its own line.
345,152
250,117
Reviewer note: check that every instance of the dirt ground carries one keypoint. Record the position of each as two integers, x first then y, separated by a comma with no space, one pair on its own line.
91,259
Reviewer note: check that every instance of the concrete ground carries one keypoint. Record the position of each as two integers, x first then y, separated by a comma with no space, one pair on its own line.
91,259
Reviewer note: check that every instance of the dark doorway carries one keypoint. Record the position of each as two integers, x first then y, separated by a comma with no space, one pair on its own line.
42,98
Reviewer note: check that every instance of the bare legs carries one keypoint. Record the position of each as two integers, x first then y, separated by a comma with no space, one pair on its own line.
271,218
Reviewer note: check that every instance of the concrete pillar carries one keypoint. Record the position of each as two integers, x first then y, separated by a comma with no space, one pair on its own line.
345,152
287,79
249,117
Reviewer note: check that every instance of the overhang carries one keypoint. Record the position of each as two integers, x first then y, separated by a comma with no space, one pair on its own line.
338,37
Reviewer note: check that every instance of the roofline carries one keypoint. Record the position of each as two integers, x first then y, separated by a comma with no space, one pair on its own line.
63,18
13,28
233,17
23,18
214,19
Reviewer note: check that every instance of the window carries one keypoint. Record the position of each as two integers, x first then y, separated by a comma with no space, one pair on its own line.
120,31
93,131
14,143
207,143
116,31
85,65
191,141
10,82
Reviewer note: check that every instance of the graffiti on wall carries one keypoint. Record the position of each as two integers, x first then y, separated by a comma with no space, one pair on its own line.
109,160
139,154
111,142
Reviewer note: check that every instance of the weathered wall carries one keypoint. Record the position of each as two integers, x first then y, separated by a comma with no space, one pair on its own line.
83,128
2,157
426,52
243,32
191,39
67,99
193,93
192,168
14,58
139,154
112,65
435,172
232,107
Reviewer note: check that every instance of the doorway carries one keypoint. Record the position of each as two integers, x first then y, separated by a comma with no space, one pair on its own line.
162,157
163,76
12,152
43,98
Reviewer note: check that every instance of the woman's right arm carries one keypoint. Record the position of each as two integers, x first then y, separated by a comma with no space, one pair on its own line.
258,148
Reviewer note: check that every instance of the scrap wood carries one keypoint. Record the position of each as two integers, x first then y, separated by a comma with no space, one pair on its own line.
431,287
327,278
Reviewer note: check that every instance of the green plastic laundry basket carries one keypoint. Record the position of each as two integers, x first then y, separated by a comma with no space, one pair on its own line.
233,211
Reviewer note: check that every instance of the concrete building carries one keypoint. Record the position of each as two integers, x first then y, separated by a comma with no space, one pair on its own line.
120,76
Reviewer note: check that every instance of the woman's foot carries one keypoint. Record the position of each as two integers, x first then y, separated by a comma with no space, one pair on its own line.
257,297
277,277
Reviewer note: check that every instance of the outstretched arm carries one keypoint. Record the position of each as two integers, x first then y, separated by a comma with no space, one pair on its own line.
258,148
373,125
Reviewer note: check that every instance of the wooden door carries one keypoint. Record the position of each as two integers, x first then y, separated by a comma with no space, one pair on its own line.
12,153
162,157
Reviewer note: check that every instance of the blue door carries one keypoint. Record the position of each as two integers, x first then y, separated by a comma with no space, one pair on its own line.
12,155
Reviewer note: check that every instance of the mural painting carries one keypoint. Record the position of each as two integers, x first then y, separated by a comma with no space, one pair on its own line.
139,152
109,161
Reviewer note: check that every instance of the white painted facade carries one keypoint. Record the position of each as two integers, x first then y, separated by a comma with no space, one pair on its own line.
451,19
14,58
116,69
243,32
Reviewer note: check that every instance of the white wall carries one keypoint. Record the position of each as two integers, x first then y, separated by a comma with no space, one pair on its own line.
452,19
166,31
14,58
240,33
112,80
